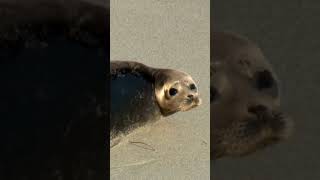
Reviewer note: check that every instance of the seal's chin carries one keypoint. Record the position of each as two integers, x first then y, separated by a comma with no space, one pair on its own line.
166,112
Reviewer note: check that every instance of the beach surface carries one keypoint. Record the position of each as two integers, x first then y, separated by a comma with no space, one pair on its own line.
165,34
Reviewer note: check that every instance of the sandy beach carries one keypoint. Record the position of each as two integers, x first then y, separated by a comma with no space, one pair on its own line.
165,34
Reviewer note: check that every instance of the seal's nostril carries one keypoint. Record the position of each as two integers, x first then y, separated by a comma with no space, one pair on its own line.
190,96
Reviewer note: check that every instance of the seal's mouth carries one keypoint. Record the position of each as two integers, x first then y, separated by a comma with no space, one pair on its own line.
261,129
190,103
267,129
278,123
186,105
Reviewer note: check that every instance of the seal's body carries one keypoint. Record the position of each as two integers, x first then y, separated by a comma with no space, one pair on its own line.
142,94
245,100
133,102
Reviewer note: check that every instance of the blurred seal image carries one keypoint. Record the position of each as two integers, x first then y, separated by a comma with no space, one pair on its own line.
142,94
244,97
53,56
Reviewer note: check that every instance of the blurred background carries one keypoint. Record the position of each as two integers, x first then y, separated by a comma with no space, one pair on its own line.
288,33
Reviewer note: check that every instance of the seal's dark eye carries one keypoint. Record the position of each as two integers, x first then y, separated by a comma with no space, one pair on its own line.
173,91
264,80
192,87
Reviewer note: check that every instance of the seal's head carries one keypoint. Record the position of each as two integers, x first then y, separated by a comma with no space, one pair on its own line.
175,91
245,102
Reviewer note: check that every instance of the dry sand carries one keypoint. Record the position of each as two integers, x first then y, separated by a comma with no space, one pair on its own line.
166,34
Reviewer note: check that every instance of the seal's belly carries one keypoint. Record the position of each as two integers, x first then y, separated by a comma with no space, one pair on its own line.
133,103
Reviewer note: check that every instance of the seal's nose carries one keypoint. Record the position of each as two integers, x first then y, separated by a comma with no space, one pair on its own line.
194,99
257,109
190,96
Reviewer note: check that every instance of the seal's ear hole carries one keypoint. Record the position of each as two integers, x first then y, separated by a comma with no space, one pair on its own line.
173,91
264,80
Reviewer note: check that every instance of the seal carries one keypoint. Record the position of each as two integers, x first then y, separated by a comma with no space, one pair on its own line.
142,94
245,99
52,73
74,20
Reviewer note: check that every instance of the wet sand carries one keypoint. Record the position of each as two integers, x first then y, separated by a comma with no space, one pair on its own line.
165,34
